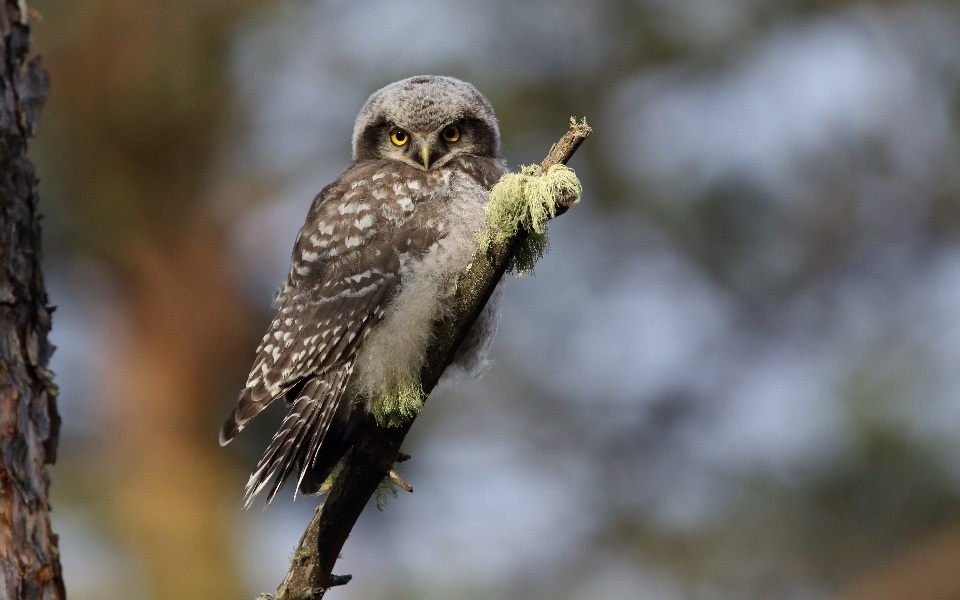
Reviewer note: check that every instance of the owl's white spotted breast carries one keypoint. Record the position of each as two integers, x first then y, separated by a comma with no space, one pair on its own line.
450,200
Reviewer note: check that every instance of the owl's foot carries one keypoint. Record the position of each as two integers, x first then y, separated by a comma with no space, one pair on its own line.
399,480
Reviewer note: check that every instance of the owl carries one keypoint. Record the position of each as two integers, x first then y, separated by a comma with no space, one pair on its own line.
372,269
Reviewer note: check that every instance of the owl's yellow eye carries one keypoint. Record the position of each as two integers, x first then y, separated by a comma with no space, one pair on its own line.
451,133
399,137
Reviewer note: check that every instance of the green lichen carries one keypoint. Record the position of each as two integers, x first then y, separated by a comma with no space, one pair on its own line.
328,482
386,490
299,556
399,405
527,201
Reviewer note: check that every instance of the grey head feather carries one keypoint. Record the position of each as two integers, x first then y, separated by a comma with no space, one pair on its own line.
424,103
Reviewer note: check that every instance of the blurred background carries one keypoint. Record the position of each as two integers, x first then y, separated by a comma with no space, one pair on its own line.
735,375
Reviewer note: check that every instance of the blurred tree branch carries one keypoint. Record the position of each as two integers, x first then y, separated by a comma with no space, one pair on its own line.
373,455
926,569
29,422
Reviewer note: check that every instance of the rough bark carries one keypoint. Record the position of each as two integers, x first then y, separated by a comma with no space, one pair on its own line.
373,455
29,423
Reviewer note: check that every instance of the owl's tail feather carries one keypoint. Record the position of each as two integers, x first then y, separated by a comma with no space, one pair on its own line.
301,434
339,438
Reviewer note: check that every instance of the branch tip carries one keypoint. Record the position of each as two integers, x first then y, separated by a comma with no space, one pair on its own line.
335,580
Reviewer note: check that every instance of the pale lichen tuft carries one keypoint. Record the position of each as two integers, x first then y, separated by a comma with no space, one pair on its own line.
527,201
386,490
328,482
400,404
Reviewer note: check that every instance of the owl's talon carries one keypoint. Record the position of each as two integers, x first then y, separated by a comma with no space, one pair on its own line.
399,481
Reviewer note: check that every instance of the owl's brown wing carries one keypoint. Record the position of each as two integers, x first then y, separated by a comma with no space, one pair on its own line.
346,267
315,367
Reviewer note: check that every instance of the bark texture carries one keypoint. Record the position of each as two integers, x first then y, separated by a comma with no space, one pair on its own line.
29,423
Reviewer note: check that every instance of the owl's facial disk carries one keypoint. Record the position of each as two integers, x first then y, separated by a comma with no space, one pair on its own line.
425,107
422,149
426,145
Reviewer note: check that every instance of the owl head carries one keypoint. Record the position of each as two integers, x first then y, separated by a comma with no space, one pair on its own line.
426,121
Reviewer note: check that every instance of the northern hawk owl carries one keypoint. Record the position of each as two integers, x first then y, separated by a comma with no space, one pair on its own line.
372,268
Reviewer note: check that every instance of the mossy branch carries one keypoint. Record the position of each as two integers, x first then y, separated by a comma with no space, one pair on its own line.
525,201
372,457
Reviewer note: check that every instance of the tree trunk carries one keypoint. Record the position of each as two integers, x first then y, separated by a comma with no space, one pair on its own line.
29,423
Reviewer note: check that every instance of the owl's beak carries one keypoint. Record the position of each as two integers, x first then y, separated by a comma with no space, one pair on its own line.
425,155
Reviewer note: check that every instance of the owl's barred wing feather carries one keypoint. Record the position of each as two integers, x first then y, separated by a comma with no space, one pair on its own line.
319,328
313,372
302,429
340,283
322,356
337,272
